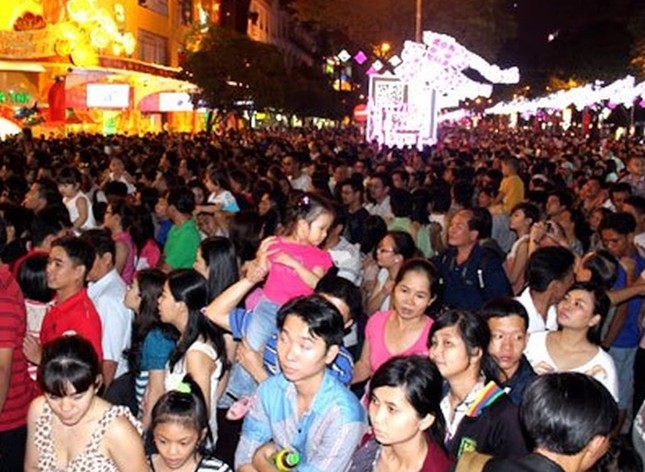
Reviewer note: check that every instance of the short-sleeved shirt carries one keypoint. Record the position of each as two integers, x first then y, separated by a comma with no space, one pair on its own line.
325,436
513,189
76,315
181,245
283,283
13,324
630,335
375,335
155,352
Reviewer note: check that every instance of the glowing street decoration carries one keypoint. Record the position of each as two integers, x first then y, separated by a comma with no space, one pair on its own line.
403,107
344,56
623,91
360,58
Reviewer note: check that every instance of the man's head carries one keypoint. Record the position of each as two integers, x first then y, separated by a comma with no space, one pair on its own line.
70,260
181,200
47,225
550,269
42,193
556,202
310,333
618,193
508,322
617,233
467,227
569,414
379,187
105,249
351,192
635,206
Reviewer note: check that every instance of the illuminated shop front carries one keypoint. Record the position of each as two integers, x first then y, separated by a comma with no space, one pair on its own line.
73,58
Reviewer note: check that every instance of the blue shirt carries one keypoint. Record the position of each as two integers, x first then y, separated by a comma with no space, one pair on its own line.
342,367
155,352
630,334
326,436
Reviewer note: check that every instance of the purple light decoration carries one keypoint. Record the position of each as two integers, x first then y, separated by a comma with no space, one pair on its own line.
360,57
371,71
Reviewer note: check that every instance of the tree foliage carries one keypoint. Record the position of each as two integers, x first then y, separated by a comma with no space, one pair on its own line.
481,25
230,68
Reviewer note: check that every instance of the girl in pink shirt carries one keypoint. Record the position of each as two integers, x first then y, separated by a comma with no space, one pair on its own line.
404,329
295,265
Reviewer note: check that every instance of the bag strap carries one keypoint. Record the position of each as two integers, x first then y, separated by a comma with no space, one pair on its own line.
472,461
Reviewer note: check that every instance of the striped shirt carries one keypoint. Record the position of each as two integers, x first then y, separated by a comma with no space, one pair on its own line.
325,436
13,325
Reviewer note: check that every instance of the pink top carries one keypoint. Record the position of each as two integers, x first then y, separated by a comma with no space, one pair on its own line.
149,257
128,268
375,335
283,283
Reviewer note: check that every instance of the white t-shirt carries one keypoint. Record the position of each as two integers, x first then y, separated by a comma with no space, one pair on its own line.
601,367
536,322
173,378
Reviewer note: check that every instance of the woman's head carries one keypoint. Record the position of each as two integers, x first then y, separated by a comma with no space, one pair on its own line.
69,375
216,260
598,267
584,307
405,396
184,294
414,287
458,343
119,216
395,248
308,219
32,278
179,424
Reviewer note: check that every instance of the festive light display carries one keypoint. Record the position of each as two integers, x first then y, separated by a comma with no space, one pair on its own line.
621,92
431,75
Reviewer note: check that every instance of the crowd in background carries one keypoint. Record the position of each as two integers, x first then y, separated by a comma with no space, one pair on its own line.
201,302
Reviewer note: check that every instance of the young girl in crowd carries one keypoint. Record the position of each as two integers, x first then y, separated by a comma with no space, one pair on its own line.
70,427
523,215
151,344
407,425
77,203
479,415
32,279
296,264
217,184
404,329
200,350
143,237
118,219
575,347
180,432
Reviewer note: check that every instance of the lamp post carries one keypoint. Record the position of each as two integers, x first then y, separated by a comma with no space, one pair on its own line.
417,31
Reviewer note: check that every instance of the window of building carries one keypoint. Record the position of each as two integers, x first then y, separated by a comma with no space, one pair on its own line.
153,48
157,6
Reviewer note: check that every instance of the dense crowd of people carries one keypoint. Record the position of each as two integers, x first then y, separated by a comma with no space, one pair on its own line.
215,303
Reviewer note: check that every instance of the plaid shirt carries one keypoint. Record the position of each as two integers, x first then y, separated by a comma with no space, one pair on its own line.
326,436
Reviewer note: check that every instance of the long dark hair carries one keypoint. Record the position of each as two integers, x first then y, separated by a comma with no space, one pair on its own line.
220,257
190,287
475,333
422,383
150,283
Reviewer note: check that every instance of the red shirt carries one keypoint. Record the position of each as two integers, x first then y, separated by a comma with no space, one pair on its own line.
76,315
13,324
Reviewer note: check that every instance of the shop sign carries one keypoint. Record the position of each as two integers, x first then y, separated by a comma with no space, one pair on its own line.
15,98
28,44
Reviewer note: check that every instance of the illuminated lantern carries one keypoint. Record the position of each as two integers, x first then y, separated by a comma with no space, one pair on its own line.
84,56
53,10
129,43
99,38
81,11
117,49
63,48
106,22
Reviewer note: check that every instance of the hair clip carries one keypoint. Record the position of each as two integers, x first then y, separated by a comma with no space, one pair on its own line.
183,387
306,200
